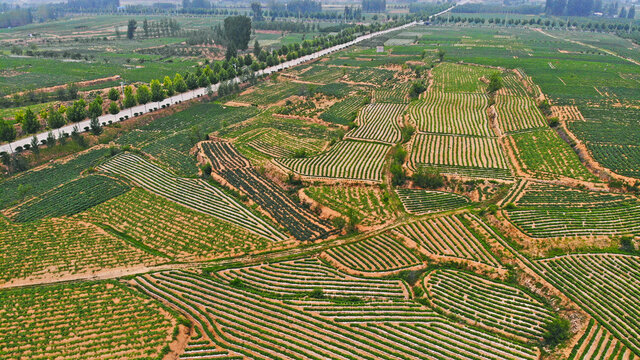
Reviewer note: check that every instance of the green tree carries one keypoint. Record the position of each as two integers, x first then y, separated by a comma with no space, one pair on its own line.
256,49
179,84
95,126
55,119
167,84
30,123
7,132
237,30
35,145
495,83
143,94
441,54
95,108
556,331
77,112
157,92
51,139
114,94
131,28
129,99
428,178
113,108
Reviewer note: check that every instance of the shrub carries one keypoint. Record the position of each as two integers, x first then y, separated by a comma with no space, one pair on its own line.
555,332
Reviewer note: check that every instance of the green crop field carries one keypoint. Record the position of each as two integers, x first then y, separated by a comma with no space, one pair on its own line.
463,188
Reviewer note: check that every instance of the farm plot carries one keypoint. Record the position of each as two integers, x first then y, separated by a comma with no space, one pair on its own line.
351,160
398,94
298,278
276,144
367,204
460,114
448,77
271,93
321,74
547,222
89,320
493,305
542,153
70,198
518,113
169,230
448,236
237,171
372,76
279,330
547,195
512,85
344,111
379,253
369,312
426,201
193,193
40,180
606,285
622,159
598,343
567,112
50,248
378,122
455,153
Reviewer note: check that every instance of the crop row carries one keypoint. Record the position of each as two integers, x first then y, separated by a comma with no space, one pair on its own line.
512,85
345,111
276,143
548,195
42,179
86,320
449,77
237,171
378,122
606,286
398,94
300,277
598,343
463,151
457,113
50,247
426,201
567,112
353,160
171,230
223,156
281,331
563,222
518,113
193,193
379,253
622,159
373,76
544,154
492,304
448,236
368,204
70,198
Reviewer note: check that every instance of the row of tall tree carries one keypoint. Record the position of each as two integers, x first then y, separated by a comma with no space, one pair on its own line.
586,8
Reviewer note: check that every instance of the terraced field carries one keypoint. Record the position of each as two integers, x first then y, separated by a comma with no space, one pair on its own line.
399,94
274,143
81,321
449,77
542,153
396,311
368,204
426,201
451,113
300,277
598,343
458,151
350,160
518,113
493,305
448,236
297,334
70,198
50,248
344,111
169,230
192,193
237,171
536,194
379,253
606,286
378,122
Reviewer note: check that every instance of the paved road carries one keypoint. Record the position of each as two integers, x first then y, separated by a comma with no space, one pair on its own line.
143,109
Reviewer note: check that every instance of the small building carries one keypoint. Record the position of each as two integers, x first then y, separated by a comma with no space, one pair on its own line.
379,49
